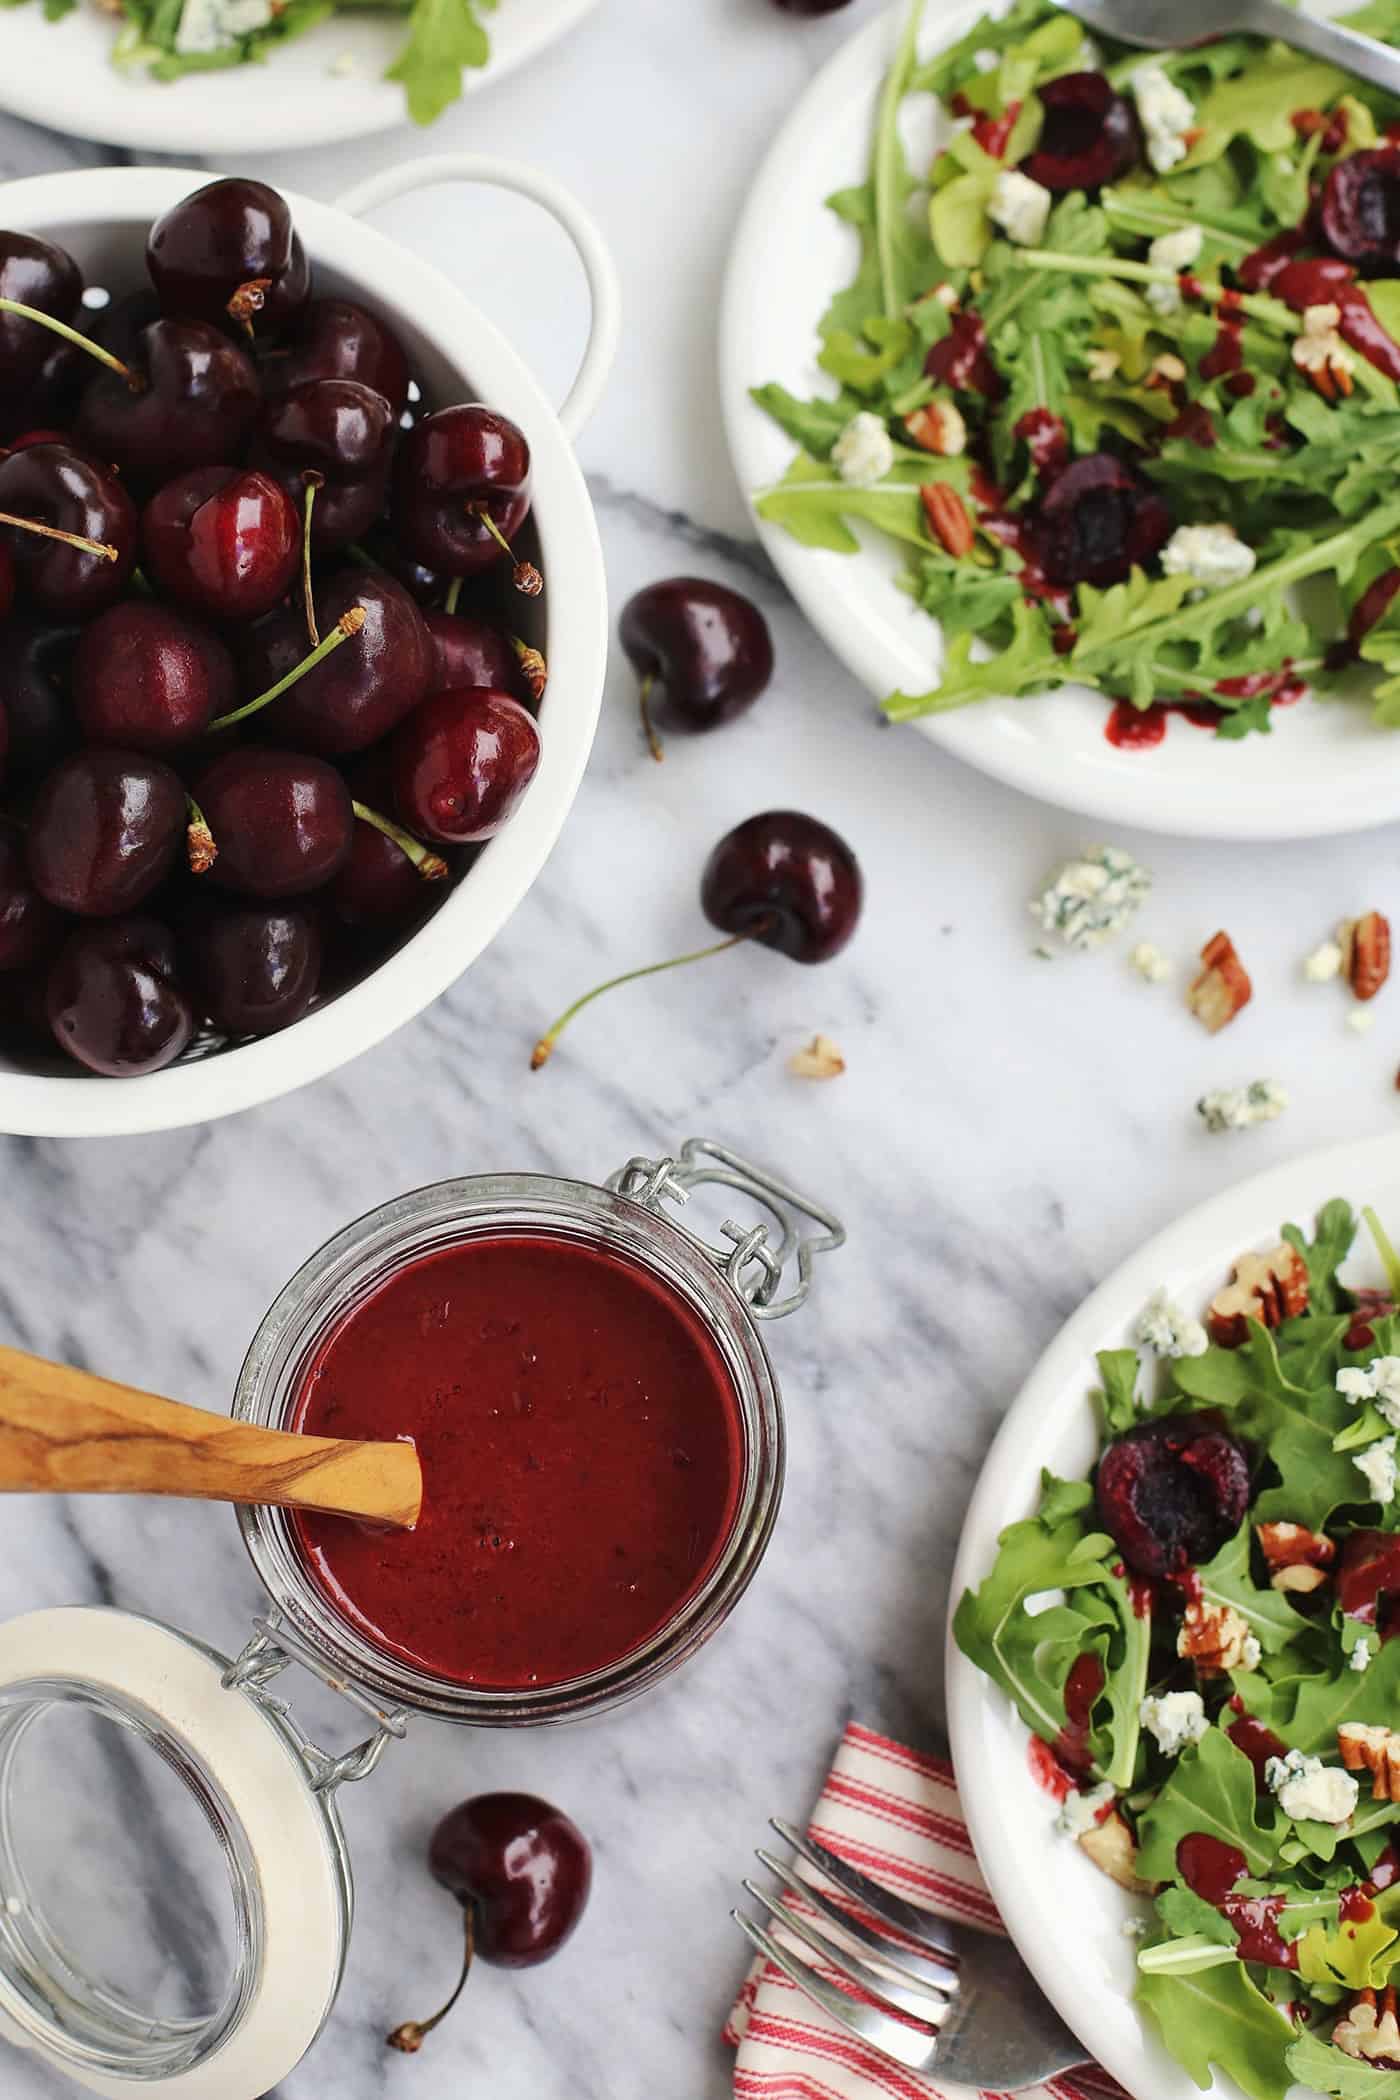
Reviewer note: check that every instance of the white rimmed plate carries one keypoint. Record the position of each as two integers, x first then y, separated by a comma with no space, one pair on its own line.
60,74
1065,1916
1324,770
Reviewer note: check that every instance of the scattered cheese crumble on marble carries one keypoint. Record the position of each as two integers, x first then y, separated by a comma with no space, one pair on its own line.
1172,251
1092,898
1361,1020
1238,1107
864,452
1020,207
1174,1719
1310,1791
1167,114
1211,555
1081,1812
1150,963
1376,1465
1168,1330
1323,964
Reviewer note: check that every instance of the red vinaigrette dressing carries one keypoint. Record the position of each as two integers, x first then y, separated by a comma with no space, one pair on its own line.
582,1455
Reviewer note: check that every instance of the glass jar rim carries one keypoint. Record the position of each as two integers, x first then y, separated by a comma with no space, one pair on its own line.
381,1243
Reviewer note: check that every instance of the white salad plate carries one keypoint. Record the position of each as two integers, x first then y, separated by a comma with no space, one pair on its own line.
1066,1917
324,86
1324,770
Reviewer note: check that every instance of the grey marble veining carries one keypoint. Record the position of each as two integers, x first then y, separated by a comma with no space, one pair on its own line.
1006,1131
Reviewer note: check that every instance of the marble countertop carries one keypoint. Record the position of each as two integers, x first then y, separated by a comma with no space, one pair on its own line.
1007,1130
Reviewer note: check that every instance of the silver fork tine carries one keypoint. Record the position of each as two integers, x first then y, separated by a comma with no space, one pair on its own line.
921,1925
911,1998
938,1974
905,2044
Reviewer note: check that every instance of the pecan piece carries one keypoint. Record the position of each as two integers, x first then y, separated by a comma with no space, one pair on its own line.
1222,987
1365,945
1376,1750
1294,1546
1269,1288
1216,1638
948,516
1369,2031
938,427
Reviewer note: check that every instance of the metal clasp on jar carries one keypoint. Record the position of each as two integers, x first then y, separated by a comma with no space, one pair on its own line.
752,1263
274,1647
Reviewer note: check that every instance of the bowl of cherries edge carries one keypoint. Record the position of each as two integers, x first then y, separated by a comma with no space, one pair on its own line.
270,668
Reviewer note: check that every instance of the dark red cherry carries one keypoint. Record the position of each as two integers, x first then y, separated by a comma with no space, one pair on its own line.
1360,211
521,1871
123,322
378,887
50,401
195,403
105,831
451,467
338,340
7,584
1368,1580
281,822
345,433
150,678
224,542
1090,135
57,487
114,998
30,928
469,650
252,970
704,648
810,8
34,273
788,881
1098,520
229,252
1171,1492
361,691
461,763
424,585
35,665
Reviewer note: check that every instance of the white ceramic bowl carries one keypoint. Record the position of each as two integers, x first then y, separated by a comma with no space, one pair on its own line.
102,215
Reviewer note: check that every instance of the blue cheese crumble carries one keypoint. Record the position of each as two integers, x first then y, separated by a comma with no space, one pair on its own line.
1174,1719
1173,251
1020,207
1166,115
1093,898
1211,555
1379,1382
1360,1658
207,26
1081,1813
1376,1465
1238,1107
1167,1329
864,452
1310,1791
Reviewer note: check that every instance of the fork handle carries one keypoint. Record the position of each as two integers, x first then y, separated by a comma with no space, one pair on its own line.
1374,61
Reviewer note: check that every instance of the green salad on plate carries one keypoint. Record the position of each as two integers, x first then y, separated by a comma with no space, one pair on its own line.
1119,373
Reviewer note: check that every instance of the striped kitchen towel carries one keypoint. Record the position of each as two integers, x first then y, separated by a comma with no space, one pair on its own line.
894,1813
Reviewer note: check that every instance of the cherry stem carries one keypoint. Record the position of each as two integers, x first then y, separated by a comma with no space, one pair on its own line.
313,481
199,839
544,1048
654,743
525,576
454,592
71,335
411,2035
69,539
431,866
248,300
532,665
349,623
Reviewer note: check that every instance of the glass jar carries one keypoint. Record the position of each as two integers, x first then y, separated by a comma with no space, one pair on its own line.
263,1787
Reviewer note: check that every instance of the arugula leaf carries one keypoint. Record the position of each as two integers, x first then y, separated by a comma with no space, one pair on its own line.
1118,1402
1218,2016
815,425
1334,1234
1211,1790
444,36
1316,2063
1187,1914
1357,1955
813,504
1063,1498
1258,102
901,247
1306,1712
1227,1580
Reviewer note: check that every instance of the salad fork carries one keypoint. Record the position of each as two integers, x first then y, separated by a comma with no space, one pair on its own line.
1165,25
984,2022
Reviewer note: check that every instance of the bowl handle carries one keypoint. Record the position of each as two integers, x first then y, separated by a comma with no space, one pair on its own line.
605,326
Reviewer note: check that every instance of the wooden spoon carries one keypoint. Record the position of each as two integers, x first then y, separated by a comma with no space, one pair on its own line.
65,1432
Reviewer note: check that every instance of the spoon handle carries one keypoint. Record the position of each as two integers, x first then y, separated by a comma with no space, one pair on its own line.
65,1432
1373,60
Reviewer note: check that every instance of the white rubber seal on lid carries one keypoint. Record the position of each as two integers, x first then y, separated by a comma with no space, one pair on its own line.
266,1786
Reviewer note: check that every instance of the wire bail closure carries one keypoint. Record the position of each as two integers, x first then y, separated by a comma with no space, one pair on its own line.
274,1647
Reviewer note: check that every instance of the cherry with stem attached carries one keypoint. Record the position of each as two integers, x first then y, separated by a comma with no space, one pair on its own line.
782,879
705,647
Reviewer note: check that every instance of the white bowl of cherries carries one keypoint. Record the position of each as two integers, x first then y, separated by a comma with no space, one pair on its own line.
303,632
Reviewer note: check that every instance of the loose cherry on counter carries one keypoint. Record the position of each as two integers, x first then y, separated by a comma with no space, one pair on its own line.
229,252
782,879
105,830
149,678
336,339
254,970
462,491
522,1872
114,999
335,438
348,700
69,527
188,399
705,647
461,762
223,541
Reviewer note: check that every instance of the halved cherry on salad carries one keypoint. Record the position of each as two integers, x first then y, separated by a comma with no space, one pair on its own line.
221,710
1170,1493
